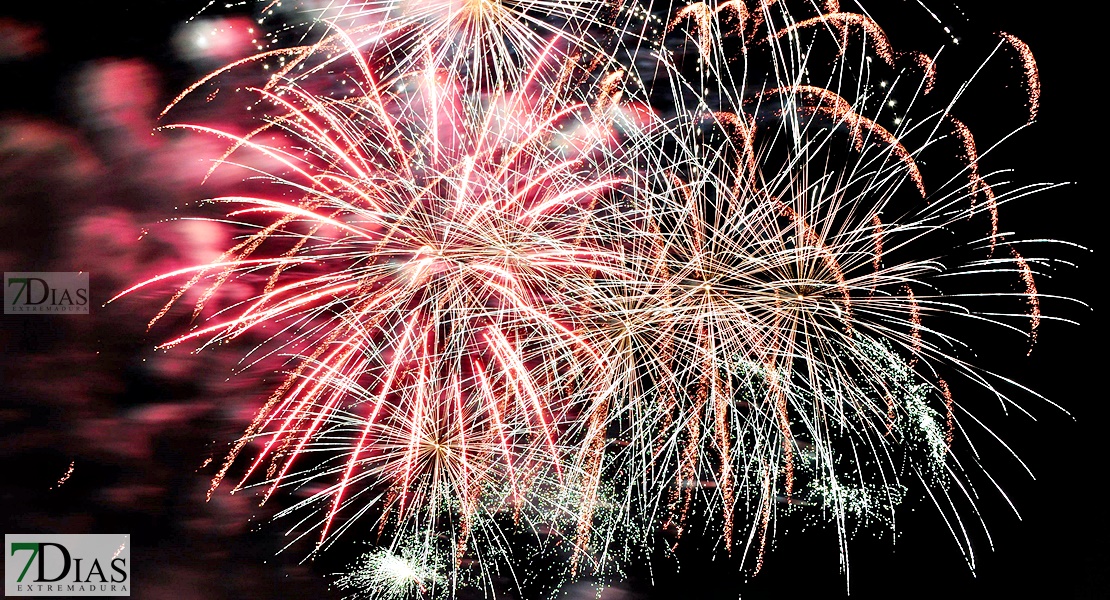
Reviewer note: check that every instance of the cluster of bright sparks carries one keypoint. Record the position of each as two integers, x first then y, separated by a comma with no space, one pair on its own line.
585,270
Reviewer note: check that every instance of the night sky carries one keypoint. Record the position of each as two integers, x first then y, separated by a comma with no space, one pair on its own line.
86,391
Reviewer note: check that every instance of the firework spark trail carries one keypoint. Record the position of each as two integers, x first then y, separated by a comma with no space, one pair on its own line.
515,282
844,23
65,476
928,66
704,16
834,106
1032,77
976,184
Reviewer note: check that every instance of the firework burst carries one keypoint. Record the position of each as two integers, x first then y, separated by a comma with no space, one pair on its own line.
426,256
583,269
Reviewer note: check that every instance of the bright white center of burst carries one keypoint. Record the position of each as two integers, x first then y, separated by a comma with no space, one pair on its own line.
397,569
